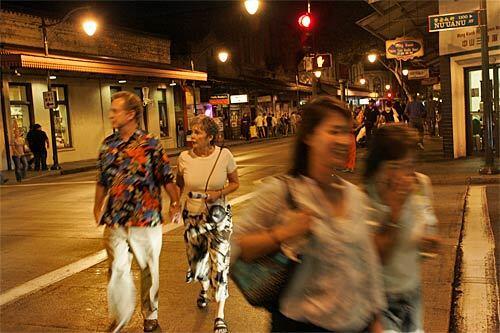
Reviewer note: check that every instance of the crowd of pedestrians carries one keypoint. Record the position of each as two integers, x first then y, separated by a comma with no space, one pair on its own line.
414,113
350,256
269,125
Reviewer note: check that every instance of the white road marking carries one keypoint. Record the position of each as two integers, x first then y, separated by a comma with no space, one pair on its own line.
478,300
50,278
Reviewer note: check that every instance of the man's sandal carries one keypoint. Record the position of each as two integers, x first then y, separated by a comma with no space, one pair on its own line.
202,300
220,326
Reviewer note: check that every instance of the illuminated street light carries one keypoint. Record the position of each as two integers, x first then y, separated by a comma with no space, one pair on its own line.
317,74
252,6
387,87
362,81
122,81
372,57
405,72
223,56
90,27
52,77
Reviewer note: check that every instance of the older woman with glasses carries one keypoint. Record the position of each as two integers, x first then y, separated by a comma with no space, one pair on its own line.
206,175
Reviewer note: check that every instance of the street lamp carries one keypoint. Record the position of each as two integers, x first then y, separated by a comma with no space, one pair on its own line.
223,56
317,74
90,27
387,87
252,6
362,81
372,57
405,72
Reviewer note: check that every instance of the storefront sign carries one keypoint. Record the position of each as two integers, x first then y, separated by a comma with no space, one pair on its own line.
404,48
417,74
468,38
430,81
222,99
237,99
264,99
453,21
49,99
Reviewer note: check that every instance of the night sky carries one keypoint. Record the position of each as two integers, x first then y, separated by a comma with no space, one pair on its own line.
188,20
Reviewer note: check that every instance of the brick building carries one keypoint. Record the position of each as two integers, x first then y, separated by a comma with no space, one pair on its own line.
85,72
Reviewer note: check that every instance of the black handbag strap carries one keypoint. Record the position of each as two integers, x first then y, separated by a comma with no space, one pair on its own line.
289,197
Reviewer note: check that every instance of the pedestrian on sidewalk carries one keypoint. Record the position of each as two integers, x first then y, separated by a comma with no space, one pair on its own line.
181,134
415,111
38,143
18,154
133,166
206,175
406,225
269,122
245,126
337,286
371,115
259,122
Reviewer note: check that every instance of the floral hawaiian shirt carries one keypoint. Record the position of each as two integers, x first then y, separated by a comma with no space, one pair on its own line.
132,173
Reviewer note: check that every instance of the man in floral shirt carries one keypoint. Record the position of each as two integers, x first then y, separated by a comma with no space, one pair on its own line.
132,169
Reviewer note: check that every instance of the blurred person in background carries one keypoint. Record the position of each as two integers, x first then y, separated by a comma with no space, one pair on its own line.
133,166
18,154
206,175
338,284
407,223
38,143
415,111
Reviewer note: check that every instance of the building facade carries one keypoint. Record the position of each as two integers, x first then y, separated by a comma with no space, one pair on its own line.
85,72
460,56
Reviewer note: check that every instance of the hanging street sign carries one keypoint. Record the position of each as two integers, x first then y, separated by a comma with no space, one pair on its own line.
417,74
430,81
453,21
404,48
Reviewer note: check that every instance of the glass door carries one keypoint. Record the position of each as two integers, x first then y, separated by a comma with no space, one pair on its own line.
475,126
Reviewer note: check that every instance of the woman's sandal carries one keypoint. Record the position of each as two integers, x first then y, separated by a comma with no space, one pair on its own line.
202,301
220,326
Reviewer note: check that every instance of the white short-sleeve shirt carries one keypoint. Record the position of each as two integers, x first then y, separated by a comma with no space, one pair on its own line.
195,171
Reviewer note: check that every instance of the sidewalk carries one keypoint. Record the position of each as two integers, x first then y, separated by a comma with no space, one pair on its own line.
88,165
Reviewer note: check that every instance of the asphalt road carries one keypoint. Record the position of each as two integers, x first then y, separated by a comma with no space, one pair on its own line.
47,231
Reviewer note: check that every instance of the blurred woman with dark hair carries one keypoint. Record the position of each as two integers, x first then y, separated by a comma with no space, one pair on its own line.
206,175
404,197
337,286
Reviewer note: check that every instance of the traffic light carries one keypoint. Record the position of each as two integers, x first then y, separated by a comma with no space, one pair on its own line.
389,95
305,21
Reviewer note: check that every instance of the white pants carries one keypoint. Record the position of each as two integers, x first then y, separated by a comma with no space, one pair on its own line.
145,244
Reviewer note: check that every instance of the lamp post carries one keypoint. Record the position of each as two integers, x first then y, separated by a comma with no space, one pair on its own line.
89,27
489,166
223,55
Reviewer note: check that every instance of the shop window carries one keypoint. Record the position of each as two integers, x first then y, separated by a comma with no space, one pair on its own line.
114,89
21,106
138,92
62,117
161,97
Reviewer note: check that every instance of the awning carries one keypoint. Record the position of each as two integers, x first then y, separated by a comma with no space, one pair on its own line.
264,84
19,59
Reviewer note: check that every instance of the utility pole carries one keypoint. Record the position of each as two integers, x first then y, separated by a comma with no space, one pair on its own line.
489,167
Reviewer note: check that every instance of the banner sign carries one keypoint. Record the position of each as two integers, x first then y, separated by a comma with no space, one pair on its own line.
405,48
264,99
222,99
417,74
236,99
430,81
453,21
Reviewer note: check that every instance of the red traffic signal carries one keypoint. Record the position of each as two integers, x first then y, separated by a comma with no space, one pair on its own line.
305,21
389,95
